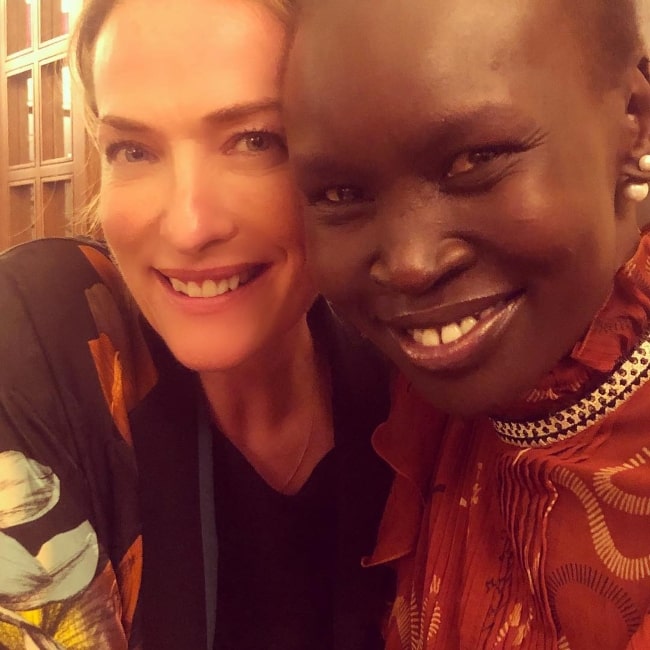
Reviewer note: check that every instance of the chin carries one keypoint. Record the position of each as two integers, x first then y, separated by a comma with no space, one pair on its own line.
203,359
469,394
455,402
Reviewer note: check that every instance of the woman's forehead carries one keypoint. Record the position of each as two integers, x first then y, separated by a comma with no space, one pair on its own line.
442,54
448,36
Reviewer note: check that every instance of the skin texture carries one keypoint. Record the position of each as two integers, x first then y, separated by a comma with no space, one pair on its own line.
444,176
195,179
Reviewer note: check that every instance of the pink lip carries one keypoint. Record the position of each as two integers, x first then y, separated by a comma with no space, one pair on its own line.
215,273
207,306
464,352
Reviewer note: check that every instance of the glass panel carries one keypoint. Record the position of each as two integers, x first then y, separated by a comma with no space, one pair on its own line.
55,18
21,214
20,95
56,136
19,25
57,208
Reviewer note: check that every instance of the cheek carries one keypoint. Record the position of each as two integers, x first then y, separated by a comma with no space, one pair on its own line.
127,211
540,221
336,260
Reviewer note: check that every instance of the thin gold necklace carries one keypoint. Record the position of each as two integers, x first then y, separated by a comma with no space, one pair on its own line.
303,455
322,373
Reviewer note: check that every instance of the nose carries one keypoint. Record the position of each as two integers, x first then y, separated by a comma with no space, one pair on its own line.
417,250
196,212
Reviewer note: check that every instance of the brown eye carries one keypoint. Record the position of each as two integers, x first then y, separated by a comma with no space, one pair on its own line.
342,195
470,160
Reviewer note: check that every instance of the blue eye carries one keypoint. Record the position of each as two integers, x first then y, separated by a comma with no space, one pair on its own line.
256,142
256,150
135,154
129,152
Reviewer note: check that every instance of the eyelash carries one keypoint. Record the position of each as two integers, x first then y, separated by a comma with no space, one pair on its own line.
248,133
492,153
495,152
113,149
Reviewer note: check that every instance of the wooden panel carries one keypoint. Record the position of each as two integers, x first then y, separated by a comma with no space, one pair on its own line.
20,118
56,120
18,17
54,18
57,208
21,213
47,168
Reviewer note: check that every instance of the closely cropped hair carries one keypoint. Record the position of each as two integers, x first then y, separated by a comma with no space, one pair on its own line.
90,22
610,33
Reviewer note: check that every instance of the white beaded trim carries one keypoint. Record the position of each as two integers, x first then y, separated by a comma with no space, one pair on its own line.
619,386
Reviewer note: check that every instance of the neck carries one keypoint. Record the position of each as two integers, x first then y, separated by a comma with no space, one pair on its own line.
275,408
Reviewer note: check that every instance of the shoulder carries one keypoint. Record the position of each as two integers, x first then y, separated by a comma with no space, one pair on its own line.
42,256
61,298
64,324
50,281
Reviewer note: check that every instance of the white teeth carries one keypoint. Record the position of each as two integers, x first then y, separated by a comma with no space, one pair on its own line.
428,337
222,287
178,285
193,290
467,324
208,288
450,333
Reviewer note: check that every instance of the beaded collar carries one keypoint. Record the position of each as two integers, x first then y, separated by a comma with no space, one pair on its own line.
624,381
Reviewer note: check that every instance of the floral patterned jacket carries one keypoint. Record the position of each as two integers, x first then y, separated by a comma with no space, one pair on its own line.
99,451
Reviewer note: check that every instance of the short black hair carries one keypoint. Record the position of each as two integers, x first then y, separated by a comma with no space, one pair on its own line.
610,33
608,30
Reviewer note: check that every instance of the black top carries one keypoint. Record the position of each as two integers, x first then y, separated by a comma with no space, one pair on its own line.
276,557
165,426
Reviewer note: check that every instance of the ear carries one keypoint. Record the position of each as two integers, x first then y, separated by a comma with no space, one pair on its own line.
638,125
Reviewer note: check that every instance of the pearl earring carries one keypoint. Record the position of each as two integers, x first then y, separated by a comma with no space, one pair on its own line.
639,191
636,191
644,163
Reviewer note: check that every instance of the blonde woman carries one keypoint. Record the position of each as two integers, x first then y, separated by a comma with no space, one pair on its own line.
188,437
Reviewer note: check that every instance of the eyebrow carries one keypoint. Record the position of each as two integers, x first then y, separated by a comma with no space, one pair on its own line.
227,115
440,133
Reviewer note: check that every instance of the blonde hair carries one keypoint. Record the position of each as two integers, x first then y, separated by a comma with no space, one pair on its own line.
92,19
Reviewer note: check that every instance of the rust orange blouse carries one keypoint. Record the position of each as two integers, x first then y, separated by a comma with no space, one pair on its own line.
537,535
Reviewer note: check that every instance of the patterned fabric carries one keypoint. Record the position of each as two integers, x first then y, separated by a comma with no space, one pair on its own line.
70,539
100,522
541,547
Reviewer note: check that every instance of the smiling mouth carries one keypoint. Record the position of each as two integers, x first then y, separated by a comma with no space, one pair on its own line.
213,287
448,333
457,344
